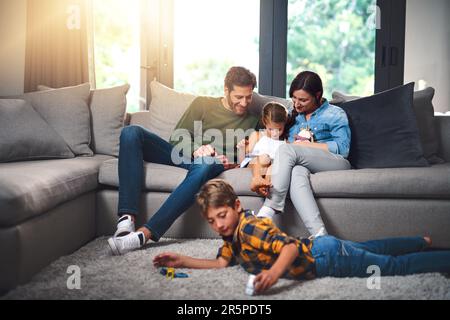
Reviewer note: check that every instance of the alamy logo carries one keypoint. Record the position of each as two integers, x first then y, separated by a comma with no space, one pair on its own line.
74,280
374,281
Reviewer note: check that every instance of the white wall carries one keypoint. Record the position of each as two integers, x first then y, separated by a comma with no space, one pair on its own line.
427,48
12,46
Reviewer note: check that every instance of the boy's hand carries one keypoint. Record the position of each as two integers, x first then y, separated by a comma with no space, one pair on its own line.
168,259
265,280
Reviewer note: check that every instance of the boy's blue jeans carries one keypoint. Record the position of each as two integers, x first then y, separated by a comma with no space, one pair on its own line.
396,256
137,145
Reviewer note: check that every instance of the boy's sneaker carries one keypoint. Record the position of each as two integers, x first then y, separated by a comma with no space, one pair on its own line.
125,225
266,212
322,232
130,242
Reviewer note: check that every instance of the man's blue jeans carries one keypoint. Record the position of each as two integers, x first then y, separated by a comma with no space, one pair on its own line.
137,145
396,256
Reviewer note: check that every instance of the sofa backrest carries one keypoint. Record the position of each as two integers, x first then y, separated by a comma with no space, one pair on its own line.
168,106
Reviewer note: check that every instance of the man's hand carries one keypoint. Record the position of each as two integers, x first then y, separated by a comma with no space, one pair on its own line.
261,186
168,259
226,163
205,151
265,280
242,144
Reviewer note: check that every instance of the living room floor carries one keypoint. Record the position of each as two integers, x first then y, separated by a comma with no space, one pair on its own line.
133,276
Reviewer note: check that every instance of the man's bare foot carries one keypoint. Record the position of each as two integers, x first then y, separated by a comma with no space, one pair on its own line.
146,232
428,240
259,182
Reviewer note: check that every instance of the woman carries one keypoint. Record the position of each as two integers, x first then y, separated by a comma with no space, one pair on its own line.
319,136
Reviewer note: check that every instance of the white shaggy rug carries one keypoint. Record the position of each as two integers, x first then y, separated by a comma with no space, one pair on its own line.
133,276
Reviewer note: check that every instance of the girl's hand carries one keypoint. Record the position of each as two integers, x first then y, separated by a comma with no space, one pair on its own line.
168,259
265,280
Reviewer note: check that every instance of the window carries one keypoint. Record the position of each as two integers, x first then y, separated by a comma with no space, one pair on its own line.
117,46
210,36
336,39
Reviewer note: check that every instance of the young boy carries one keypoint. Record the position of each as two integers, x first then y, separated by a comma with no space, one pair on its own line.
262,249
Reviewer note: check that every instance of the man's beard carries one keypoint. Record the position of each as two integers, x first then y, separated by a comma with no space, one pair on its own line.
234,107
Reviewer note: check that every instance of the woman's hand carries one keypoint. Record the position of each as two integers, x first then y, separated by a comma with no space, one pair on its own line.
168,259
306,143
265,280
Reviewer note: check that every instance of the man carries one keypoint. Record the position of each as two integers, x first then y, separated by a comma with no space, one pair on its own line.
203,155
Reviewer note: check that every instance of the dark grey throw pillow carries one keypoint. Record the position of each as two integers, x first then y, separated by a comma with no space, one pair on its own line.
384,130
24,135
66,110
259,101
107,107
424,110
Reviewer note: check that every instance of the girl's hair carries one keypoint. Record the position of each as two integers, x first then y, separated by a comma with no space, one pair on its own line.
276,113
307,81
216,193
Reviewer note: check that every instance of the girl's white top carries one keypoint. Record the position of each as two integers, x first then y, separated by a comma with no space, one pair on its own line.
268,146
265,145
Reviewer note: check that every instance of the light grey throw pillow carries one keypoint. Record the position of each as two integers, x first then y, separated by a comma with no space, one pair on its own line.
66,110
107,109
24,135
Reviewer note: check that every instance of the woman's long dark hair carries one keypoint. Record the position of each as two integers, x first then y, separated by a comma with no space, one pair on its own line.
307,81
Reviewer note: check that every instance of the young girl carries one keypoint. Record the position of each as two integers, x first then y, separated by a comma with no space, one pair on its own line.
262,145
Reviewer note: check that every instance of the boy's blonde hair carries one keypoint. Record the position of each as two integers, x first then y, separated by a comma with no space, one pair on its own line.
214,194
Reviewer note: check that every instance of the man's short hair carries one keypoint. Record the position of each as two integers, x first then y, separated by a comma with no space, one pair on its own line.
216,193
241,77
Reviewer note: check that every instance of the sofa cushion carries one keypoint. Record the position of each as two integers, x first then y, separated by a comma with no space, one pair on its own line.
429,182
384,130
27,189
424,183
24,135
66,111
108,110
162,178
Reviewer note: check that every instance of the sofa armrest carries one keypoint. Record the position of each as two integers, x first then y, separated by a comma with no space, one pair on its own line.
443,128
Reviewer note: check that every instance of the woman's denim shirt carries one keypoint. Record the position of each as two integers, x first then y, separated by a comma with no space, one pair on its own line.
329,124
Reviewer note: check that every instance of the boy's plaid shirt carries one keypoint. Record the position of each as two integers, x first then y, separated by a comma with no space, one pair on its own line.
257,243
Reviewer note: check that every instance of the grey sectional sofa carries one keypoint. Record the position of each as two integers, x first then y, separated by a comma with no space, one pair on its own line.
50,208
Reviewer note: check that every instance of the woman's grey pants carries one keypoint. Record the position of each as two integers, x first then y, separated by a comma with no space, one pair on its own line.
291,168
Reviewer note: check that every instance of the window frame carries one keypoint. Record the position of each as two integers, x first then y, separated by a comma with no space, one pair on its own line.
157,61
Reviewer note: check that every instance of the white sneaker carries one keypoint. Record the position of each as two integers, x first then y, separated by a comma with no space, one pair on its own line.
125,226
130,242
266,212
320,233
